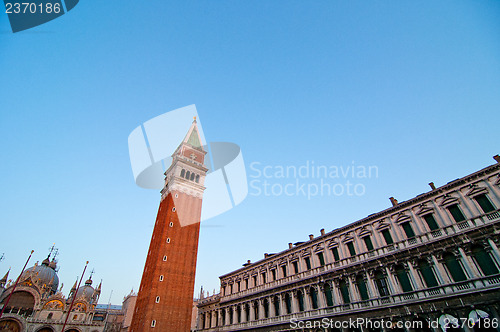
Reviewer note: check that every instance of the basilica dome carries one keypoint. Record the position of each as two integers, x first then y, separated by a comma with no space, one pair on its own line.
86,291
43,275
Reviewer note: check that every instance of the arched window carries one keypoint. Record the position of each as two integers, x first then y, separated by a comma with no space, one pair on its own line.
197,179
266,308
247,312
454,267
183,173
49,316
288,303
344,290
484,260
328,295
300,297
361,284
427,273
230,316
256,310
238,314
381,282
276,301
314,297
403,279
192,177
188,174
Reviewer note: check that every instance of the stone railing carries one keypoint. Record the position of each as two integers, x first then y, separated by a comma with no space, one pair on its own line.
442,291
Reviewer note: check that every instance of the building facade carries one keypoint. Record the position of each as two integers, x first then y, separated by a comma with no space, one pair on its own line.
165,297
431,263
37,303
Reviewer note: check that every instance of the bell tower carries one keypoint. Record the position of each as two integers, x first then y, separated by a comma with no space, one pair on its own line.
165,298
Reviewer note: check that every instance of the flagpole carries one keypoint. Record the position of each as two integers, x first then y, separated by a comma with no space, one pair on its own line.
74,296
15,285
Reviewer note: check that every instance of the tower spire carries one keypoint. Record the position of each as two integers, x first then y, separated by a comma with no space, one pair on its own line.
3,281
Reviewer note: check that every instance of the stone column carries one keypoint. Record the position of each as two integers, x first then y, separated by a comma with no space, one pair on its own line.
252,311
354,294
414,275
469,265
370,284
391,280
494,251
261,308
294,300
321,296
226,313
307,298
333,288
439,268
337,292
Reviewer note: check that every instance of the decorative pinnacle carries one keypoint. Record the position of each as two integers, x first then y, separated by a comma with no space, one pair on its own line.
194,119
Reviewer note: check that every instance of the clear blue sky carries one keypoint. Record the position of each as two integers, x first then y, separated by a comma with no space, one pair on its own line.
410,87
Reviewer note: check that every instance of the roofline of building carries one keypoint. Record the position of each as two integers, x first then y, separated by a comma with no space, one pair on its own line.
377,215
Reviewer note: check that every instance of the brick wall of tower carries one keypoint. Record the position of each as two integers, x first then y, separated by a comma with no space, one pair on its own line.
175,292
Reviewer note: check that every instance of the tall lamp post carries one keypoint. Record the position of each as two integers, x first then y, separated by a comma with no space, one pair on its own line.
74,296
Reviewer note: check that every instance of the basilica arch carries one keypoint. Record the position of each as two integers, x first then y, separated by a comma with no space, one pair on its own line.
10,325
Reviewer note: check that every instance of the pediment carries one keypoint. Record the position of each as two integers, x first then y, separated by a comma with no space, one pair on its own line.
333,243
474,190
424,209
364,231
383,224
318,247
347,237
402,217
448,199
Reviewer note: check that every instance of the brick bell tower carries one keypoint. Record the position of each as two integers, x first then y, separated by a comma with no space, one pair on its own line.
165,297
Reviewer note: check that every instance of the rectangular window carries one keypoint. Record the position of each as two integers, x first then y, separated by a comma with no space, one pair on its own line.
254,281
263,277
246,283
283,268
408,230
321,259
231,289
456,213
431,222
295,267
308,262
386,233
274,274
352,251
368,243
484,203
238,284
335,252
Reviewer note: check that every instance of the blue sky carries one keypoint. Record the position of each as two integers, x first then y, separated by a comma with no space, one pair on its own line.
410,87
